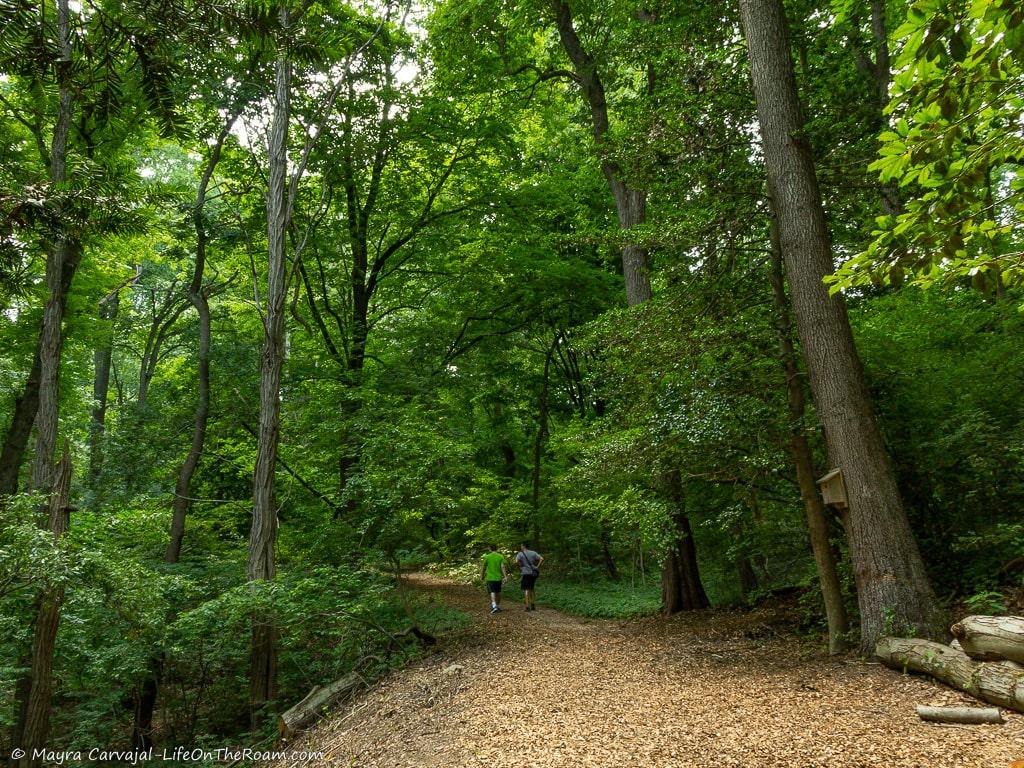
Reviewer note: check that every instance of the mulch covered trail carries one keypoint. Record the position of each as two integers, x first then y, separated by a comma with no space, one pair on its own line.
543,689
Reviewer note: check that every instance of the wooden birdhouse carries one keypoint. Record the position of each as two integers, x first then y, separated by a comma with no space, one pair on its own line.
833,491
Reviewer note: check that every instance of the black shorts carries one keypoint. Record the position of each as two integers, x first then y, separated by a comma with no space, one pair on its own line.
527,580
494,587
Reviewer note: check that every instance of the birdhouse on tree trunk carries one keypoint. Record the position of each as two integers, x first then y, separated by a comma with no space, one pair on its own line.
833,491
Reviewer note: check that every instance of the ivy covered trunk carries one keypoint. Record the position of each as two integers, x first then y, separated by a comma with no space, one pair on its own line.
894,593
263,535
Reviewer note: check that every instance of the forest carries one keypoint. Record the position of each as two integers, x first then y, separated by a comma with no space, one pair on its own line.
302,295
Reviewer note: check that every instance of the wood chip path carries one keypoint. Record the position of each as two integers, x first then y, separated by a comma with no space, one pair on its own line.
704,690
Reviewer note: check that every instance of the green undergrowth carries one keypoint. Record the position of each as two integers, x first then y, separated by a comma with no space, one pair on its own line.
597,600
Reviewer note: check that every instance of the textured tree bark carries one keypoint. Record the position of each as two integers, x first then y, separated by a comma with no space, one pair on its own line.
997,682
34,691
893,588
33,724
25,407
800,452
263,536
101,357
991,638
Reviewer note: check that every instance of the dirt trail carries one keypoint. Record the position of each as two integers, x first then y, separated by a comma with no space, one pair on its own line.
524,690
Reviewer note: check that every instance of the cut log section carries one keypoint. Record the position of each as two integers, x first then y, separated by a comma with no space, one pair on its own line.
316,704
999,683
991,638
968,715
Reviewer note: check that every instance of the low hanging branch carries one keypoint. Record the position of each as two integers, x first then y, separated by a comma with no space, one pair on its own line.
997,682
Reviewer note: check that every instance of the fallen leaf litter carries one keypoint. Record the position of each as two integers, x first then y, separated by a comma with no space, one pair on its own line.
700,690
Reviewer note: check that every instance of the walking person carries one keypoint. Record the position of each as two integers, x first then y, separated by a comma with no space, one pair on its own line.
529,569
494,572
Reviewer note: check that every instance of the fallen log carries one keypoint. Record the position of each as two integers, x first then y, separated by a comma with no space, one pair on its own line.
316,704
968,715
997,682
991,638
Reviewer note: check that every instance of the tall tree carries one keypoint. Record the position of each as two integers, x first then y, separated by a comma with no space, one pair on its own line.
803,459
32,729
263,536
893,589
681,585
630,203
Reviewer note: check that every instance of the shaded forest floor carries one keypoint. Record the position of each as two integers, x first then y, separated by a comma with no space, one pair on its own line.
707,689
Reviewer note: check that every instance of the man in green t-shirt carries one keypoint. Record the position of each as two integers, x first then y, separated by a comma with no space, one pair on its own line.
494,572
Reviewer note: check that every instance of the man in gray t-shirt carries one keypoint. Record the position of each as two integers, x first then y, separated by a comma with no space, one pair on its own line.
529,569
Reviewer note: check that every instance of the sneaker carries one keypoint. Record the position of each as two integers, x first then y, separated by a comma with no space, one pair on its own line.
495,609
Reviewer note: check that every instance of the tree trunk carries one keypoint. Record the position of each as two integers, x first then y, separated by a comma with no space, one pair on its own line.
800,452
34,690
997,682
892,200
32,728
541,437
747,575
200,300
892,584
606,555
631,207
146,697
630,204
25,407
681,586
100,387
16,439
991,638
263,537
145,703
